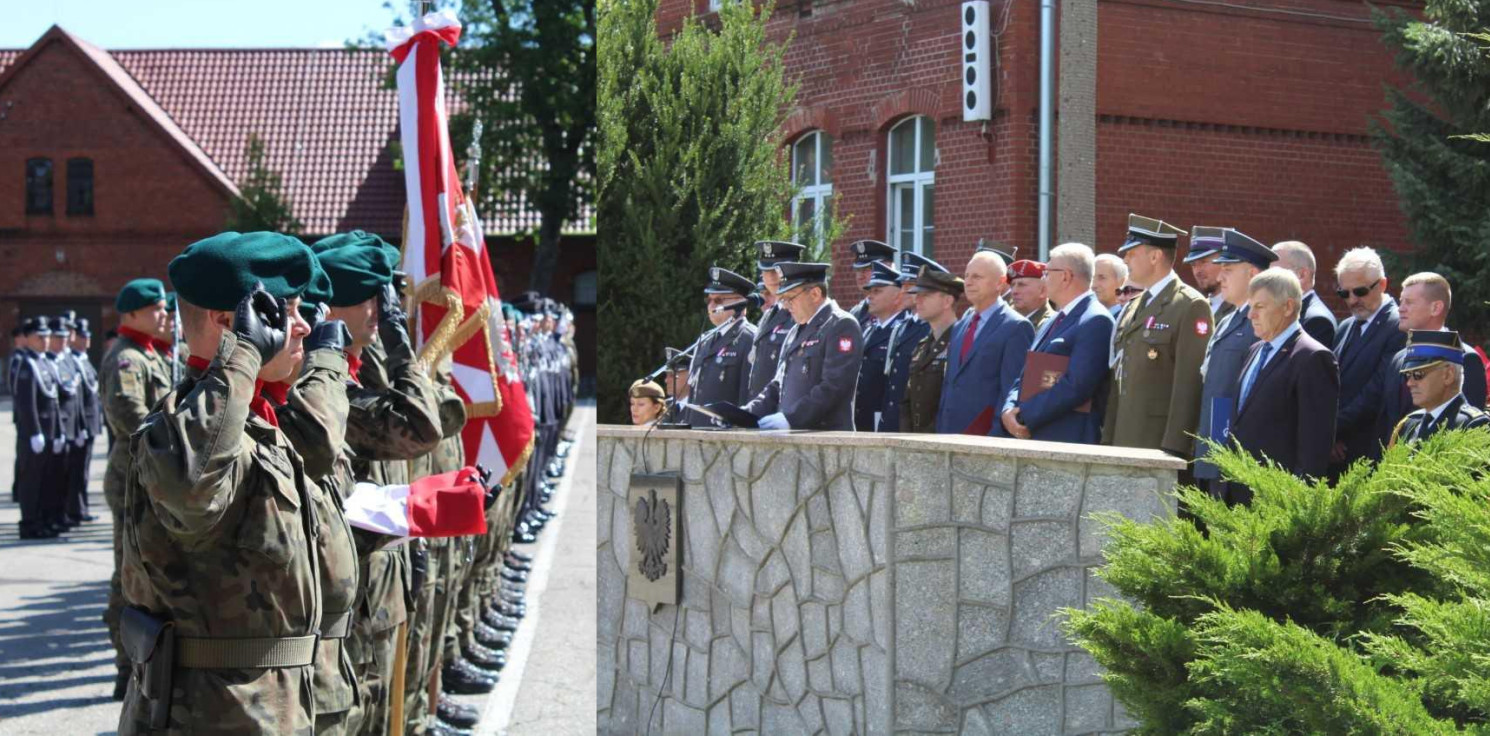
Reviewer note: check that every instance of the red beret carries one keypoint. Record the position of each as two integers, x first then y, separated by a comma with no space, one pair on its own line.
1026,270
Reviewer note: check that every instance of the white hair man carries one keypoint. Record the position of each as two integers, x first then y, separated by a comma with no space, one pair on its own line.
1317,319
1369,336
1109,275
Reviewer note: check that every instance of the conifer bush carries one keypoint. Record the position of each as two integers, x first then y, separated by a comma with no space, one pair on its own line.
1361,607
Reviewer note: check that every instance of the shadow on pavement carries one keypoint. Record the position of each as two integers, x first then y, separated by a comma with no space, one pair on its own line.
49,637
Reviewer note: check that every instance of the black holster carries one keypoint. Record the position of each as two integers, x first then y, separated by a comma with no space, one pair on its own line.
150,643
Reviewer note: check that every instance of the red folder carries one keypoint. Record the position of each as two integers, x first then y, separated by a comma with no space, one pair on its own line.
1041,371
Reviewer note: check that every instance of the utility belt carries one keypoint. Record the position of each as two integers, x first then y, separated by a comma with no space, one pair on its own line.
155,651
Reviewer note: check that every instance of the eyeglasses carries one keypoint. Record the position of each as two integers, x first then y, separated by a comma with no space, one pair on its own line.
1049,270
1359,291
1418,374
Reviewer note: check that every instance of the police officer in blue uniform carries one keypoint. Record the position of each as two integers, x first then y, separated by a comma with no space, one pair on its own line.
814,385
776,321
867,253
1434,368
720,370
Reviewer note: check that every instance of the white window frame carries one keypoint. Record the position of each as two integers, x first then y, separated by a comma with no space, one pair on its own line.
915,185
818,191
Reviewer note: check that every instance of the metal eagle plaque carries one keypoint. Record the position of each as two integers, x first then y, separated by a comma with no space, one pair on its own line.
656,538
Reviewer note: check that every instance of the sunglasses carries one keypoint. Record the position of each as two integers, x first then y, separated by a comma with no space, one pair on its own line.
1418,374
1129,290
1359,291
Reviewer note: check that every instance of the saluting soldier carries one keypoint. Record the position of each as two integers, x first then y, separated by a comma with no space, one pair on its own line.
393,417
776,321
1158,346
133,377
220,572
37,421
936,293
867,253
720,370
814,385
1434,368
92,423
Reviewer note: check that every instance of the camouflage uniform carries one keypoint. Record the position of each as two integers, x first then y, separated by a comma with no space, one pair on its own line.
393,418
132,378
314,418
221,539
446,562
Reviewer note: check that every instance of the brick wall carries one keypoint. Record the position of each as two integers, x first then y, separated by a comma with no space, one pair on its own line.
1204,115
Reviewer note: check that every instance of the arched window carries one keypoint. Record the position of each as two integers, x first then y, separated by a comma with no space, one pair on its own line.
812,178
912,184
80,186
39,186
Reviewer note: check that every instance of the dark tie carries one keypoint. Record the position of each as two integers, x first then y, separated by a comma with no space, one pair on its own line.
967,337
1055,323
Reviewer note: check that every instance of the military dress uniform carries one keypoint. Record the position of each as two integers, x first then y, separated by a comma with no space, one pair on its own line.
1426,349
1159,345
92,427
776,320
867,253
220,568
814,385
928,363
132,379
70,411
720,369
38,423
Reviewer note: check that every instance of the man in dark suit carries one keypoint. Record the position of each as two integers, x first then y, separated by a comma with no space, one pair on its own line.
867,253
1316,318
720,370
1286,395
776,321
1070,409
1239,259
984,354
814,385
1433,369
1363,342
1425,303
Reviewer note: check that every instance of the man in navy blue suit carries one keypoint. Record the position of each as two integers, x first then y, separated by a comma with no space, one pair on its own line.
1239,259
985,354
1366,339
1286,395
1070,410
1316,318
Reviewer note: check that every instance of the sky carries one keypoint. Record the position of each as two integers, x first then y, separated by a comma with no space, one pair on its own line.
146,24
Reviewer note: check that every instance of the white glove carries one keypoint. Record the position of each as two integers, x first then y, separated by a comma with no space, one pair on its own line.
37,443
774,421
82,439
57,445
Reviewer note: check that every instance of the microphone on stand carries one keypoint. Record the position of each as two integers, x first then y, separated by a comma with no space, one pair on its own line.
754,300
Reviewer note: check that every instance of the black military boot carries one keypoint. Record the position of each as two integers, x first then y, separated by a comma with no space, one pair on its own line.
512,563
485,635
121,684
520,557
501,624
485,659
521,534
514,576
457,715
442,728
461,678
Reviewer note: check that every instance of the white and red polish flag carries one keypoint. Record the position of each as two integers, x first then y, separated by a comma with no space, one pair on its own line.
457,310
445,505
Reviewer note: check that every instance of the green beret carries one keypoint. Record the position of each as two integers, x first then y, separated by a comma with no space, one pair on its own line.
318,292
216,273
170,301
139,294
359,266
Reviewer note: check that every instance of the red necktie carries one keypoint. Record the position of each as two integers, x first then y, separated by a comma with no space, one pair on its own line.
967,337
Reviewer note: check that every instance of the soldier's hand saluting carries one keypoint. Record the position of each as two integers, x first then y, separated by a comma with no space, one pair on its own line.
262,321
329,334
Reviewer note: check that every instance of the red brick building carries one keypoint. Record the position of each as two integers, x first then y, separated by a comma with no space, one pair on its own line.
112,162
1251,114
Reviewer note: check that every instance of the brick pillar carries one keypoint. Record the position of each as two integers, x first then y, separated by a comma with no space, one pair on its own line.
1076,124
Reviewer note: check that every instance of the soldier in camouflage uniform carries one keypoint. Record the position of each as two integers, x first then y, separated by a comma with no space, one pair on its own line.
132,378
392,419
220,569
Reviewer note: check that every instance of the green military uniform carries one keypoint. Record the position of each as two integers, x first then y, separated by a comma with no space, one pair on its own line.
923,388
314,418
1158,346
1040,316
221,529
132,378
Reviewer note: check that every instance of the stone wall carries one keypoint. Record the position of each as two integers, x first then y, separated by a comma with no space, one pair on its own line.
840,583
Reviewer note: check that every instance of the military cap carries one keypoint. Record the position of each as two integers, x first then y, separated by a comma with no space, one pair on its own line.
725,281
1238,248
1148,231
82,327
62,324
43,326
771,252
932,280
1430,347
138,294
170,301
794,275
881,275
911,263
1205,241
34,326
527,302
1026,269
217,272
1004,252
357,270
869,251
644,389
